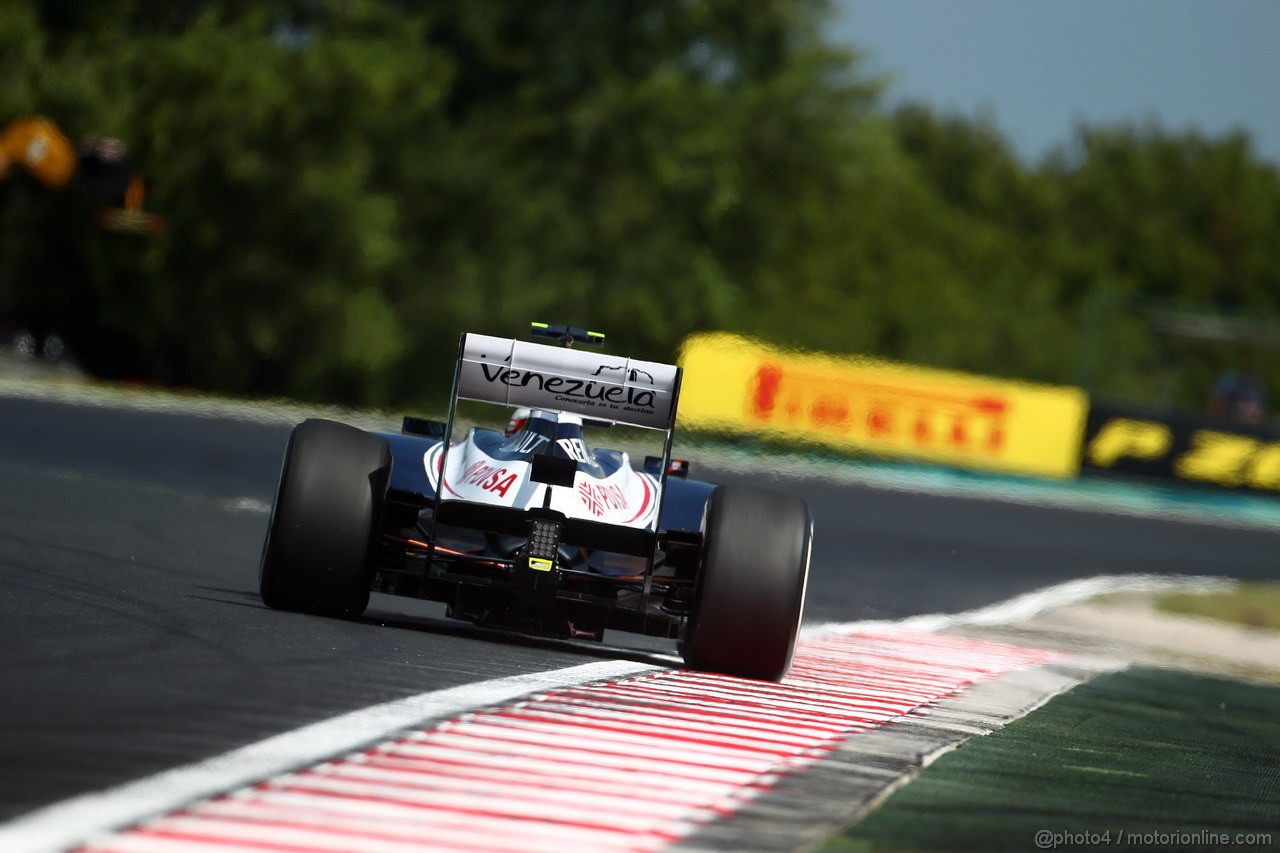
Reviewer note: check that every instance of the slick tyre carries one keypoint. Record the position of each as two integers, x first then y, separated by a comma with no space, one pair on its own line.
322,540
750,585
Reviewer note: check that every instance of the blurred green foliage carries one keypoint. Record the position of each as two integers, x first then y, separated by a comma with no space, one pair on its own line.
348,185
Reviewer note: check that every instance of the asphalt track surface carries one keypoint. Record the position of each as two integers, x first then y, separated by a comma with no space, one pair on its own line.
133,639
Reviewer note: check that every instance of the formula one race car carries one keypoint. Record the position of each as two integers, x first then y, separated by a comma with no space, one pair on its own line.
535,531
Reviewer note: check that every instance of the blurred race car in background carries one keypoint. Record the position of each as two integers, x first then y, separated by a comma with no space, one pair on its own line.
99,169
533,529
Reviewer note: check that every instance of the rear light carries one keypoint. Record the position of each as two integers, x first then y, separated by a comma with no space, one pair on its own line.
676,468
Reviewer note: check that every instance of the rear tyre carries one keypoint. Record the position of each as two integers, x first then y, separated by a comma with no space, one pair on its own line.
750,585
322,541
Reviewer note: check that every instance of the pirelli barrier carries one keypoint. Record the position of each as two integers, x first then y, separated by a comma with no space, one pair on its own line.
1181,447
735,384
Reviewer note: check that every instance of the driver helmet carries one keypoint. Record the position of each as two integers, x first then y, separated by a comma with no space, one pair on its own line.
518,419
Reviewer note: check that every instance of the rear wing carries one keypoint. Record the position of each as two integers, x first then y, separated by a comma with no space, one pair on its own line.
596,386
603,387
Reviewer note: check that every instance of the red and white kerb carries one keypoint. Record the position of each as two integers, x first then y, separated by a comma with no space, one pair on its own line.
634,764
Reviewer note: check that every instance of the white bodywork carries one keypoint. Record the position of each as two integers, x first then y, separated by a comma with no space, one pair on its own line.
607,491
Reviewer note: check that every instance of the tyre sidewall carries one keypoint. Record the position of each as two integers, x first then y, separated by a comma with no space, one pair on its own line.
322,539
751,583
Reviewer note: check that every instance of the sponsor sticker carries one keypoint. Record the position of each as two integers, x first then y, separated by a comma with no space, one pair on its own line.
517,373
600,498
491,478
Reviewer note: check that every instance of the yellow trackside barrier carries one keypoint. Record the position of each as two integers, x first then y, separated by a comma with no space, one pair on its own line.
737,384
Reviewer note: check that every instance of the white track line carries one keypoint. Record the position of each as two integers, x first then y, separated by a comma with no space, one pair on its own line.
166,402
64,824
1032,604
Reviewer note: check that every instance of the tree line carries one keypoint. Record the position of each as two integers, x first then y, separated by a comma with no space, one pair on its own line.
348,185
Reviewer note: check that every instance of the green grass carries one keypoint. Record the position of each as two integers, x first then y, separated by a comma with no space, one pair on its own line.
1256,605
1116,762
